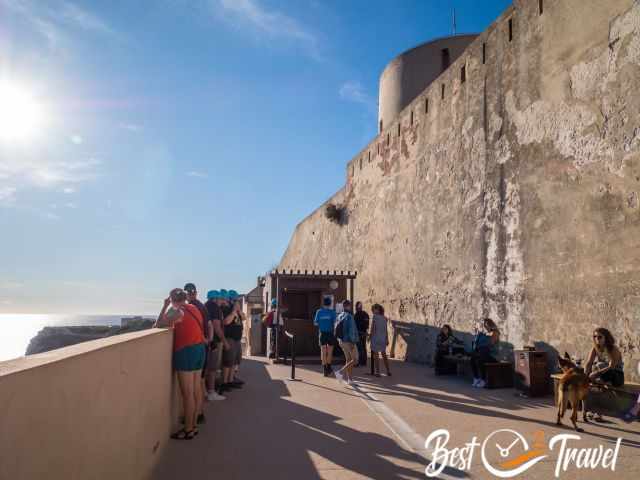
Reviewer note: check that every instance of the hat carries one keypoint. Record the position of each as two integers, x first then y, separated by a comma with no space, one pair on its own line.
233,294
274,302
224,293
190,288
211,294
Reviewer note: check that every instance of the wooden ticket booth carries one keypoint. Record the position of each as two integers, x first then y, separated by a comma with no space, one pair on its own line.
299,293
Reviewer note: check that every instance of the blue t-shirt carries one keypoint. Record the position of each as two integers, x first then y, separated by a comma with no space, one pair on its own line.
325,319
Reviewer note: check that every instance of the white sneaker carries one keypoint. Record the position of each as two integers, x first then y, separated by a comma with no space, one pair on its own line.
215,396
481,384
351,383
339,377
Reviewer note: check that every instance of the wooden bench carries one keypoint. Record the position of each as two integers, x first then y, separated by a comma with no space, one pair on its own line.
605,399
498,374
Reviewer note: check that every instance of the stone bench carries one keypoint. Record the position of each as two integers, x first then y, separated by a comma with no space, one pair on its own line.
605,399
498,374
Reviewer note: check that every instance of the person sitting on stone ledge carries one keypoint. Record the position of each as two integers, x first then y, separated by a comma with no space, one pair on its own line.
484,346
604,364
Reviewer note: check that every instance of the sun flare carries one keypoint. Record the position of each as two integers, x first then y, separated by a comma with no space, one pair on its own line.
21,115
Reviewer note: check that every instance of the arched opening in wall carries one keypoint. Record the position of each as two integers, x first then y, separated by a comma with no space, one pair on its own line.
426,105
411,119
446,59
388,139
510,29
369,156
380,126
463,74
541,6
361,164
484,53
399,128
442,92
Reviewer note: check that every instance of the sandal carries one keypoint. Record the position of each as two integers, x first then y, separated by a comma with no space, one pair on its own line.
183,435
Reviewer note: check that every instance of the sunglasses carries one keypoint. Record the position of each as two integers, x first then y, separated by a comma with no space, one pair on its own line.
598,337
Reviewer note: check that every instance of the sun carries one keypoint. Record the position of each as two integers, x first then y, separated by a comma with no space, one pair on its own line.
21,115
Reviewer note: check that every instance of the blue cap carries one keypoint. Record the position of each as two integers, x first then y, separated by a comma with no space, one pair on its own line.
211,294
233,294
224,293
274,302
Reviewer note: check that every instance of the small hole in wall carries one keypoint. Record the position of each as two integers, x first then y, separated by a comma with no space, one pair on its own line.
398,129
388,139
369,156
411,119
380,126
426,105
463,74
360,164
442,92
541,6
510,29
484,53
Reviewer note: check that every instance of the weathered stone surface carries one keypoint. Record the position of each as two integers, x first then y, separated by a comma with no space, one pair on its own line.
515,196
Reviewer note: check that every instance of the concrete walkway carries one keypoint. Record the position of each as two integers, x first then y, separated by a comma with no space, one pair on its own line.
319,429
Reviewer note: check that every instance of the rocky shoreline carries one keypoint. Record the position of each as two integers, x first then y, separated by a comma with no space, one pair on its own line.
50,338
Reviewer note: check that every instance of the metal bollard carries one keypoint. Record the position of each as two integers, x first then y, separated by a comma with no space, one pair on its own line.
293,356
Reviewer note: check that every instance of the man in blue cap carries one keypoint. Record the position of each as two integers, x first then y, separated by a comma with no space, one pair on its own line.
232,325
217,344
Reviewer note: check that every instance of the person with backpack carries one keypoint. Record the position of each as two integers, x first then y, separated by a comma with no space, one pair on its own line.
325,320
347,335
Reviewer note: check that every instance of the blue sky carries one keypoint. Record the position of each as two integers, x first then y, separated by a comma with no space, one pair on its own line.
183,140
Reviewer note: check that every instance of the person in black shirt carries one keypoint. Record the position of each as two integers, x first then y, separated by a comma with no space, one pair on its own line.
232,325
362,322
217,346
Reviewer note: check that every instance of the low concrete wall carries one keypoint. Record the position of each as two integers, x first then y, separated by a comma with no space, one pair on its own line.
96,410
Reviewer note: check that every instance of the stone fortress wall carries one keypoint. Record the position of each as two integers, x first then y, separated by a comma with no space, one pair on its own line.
512,194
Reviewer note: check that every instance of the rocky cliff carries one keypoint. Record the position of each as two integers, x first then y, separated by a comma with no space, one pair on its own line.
50,338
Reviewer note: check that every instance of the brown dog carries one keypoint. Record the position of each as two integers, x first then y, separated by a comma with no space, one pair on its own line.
573,388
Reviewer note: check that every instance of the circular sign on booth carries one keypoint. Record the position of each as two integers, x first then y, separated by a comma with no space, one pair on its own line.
333,284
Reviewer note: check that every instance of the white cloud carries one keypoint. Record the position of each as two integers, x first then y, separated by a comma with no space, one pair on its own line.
52,174
51,216
77,139
84,19
69,190
265,22
7,196
353,91
196,174
132,127
54,22
70,205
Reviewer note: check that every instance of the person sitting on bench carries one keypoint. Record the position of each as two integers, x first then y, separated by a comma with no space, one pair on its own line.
484,346
605,364
446,344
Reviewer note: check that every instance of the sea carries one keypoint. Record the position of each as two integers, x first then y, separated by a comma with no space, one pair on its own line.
17,330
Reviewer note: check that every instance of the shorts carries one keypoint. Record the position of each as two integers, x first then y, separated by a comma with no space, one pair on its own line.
327,338
350,351
233,355
190,358
614,377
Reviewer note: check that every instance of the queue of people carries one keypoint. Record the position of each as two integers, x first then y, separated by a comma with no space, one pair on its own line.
207,348
350,331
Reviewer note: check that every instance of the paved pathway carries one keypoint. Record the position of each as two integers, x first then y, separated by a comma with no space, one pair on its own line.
318,429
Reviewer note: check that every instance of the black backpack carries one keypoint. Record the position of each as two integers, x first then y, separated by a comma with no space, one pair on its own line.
340,330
